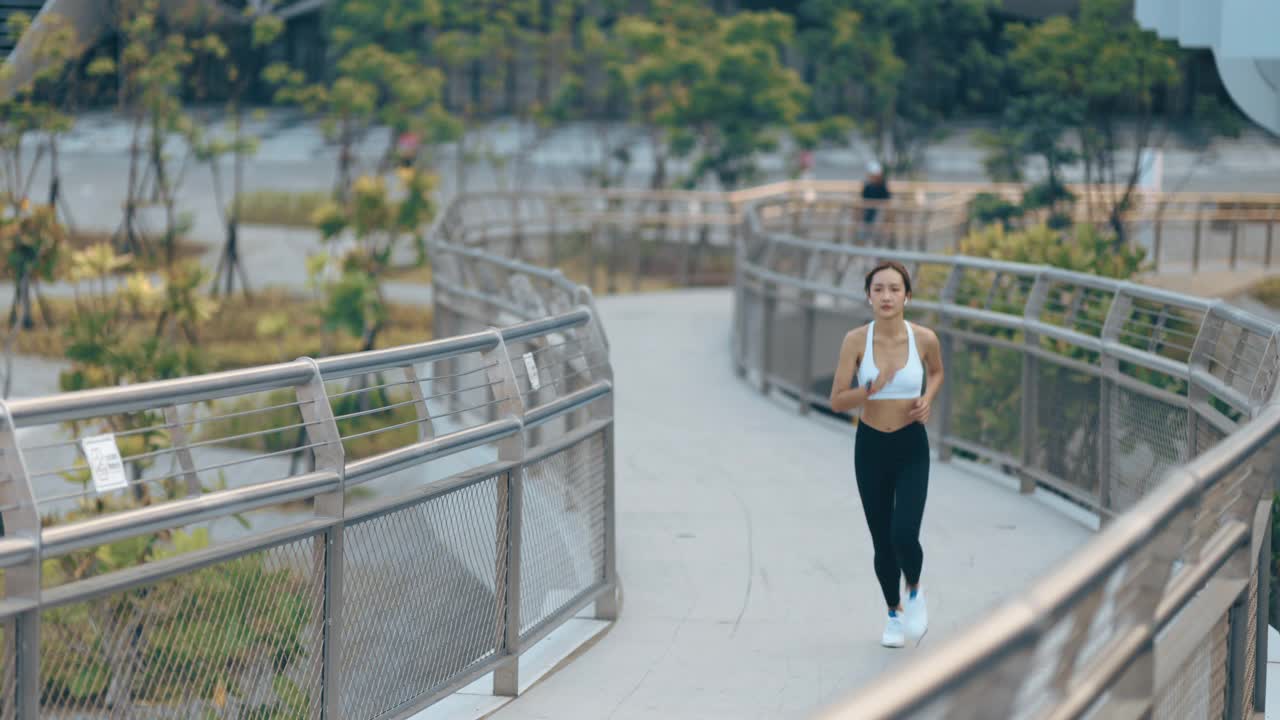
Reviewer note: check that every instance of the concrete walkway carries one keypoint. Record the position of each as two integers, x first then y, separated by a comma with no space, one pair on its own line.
744,558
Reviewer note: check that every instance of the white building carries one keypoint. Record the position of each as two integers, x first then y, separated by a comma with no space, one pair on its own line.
1244,36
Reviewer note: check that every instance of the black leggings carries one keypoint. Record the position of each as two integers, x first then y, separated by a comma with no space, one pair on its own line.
893,480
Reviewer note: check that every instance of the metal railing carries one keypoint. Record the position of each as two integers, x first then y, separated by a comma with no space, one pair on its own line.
1148,407
350,537
1153,409
419,516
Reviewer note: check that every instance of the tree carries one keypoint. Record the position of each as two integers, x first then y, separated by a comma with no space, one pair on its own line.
155,55
211,146
714,90
40,107
593,89
378,218
901,68
378,79
31,244
1091,89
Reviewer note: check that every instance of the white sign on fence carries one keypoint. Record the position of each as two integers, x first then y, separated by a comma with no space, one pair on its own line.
535,381
105,466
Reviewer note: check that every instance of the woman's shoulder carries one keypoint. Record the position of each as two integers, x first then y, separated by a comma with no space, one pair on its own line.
857,335
923,332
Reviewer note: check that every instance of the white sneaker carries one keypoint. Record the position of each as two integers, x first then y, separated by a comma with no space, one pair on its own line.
917,615
893,636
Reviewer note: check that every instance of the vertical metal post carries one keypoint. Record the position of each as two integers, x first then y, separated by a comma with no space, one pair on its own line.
686,237
944,398
553,238
425,428
1195,244
1262,619
178,436
22,582
510,514
1270,237
1158,243
322,431
809,313
1206,338
1030,430
1235,243
1237,650
593,239
594,341
1117,315
770,298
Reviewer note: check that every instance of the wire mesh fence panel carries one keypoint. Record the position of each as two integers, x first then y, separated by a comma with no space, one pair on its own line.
419,604
1148,437
1068,425
1244,358
1220,656
1187,695
986,396
8,682
242,638
1250,659
563,531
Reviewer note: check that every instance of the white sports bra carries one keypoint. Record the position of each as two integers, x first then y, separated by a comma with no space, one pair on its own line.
906,384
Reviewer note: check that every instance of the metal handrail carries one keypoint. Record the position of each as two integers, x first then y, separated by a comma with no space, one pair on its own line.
976,674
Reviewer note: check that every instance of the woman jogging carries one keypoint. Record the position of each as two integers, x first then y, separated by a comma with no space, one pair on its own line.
899,371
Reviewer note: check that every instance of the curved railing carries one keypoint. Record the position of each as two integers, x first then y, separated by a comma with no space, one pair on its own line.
1148,407
349,537
1155,410
417,517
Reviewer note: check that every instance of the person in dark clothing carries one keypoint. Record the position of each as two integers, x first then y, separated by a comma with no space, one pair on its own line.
874,188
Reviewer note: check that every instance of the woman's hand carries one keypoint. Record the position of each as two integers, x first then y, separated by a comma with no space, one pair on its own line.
920,409
883,379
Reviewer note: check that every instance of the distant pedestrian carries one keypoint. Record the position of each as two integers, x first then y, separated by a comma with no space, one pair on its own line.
875,193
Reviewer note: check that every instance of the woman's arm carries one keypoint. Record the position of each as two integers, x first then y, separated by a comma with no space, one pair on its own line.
934,375
843,397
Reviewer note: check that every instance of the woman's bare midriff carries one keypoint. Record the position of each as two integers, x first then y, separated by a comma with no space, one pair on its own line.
887,415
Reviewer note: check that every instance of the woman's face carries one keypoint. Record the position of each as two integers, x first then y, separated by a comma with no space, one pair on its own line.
888,293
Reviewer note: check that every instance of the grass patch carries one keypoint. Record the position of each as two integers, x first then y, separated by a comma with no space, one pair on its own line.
184,249
411,274
230,339
281,207
1267,292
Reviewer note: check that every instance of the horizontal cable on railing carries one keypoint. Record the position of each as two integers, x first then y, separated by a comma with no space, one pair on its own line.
416,421
561,381
186,446
171,426
370,388
174,476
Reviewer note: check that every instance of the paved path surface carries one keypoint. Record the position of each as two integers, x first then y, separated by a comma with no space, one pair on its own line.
745,562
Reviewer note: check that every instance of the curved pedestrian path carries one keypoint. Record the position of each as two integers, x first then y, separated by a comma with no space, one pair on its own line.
745,563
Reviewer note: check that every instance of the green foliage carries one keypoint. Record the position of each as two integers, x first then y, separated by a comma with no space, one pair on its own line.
716,89
380,77
987,403
146,646
106,350
1088,87
376,222
900,68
